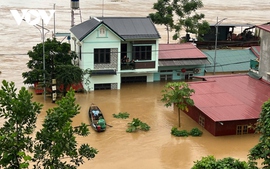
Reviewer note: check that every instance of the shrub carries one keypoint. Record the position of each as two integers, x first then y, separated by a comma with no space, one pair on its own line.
179,133
185,133
210,162
122,115
195,132
137,124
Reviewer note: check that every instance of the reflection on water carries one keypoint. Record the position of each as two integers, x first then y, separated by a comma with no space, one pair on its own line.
156,148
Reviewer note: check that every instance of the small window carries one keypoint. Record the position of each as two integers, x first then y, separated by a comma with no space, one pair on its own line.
201,121
241,129
102,56
102,32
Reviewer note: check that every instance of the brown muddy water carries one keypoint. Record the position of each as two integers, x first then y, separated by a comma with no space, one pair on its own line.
156,148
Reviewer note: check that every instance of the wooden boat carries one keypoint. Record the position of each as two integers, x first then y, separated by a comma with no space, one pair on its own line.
95,114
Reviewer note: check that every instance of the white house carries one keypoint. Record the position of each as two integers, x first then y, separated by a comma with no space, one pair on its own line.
102,42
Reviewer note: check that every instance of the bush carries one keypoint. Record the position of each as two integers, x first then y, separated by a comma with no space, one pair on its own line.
210,162
195,132
121,115
137,124
185,133
178,133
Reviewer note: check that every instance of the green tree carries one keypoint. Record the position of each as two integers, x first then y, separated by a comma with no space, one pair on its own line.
58,65
67,75
163,15
19,114
60,52
189,19
261,151
210,162
178,94
56,145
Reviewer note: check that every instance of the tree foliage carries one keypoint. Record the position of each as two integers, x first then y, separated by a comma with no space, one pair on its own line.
210,162
58,65
164,15
67,75
137,124
178,94
187,17
56,145
60,52
261,151
19,114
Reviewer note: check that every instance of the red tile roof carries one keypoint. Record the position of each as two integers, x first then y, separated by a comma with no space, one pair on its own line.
231,97
180,51
264,27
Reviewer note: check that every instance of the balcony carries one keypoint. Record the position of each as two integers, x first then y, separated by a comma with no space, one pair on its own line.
141,64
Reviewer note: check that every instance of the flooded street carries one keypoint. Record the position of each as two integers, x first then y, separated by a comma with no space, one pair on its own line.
156,148
118,149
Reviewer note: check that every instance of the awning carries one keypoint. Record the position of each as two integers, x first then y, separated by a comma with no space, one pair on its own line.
183,62
103,72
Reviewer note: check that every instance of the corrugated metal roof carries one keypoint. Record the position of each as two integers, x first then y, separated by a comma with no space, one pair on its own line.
228,98
127,28
180,51
229,60
264,27
232,25
183,62
256,50
83,29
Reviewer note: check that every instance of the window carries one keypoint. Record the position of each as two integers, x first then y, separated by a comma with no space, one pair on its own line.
167,77
201,121
241,129
80,52
142,52
104,86
102,32
102,56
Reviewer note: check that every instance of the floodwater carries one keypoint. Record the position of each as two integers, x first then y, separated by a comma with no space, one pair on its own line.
117,149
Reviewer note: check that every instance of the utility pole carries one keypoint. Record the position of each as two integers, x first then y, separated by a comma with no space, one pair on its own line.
216,26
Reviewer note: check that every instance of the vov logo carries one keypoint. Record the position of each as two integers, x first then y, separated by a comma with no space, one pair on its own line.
32,17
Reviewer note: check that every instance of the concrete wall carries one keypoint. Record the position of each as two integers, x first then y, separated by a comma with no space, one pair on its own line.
264,66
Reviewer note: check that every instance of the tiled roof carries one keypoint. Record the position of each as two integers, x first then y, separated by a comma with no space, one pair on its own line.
231,97
127,28
180,51
229,60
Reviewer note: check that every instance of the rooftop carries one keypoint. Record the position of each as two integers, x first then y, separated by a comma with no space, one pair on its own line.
230,97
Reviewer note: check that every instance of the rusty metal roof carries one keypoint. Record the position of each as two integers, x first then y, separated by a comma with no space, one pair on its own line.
230,97
180,51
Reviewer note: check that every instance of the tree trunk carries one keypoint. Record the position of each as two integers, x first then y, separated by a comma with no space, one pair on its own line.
179,121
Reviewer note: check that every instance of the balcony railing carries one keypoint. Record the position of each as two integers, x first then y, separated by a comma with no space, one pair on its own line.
138,65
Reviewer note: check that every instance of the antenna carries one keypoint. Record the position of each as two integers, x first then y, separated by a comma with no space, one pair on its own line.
102,7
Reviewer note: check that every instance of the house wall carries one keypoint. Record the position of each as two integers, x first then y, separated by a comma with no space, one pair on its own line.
264,66
219,128
229,127
176,72
95,41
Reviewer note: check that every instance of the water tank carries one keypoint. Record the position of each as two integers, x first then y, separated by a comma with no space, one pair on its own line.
74,4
